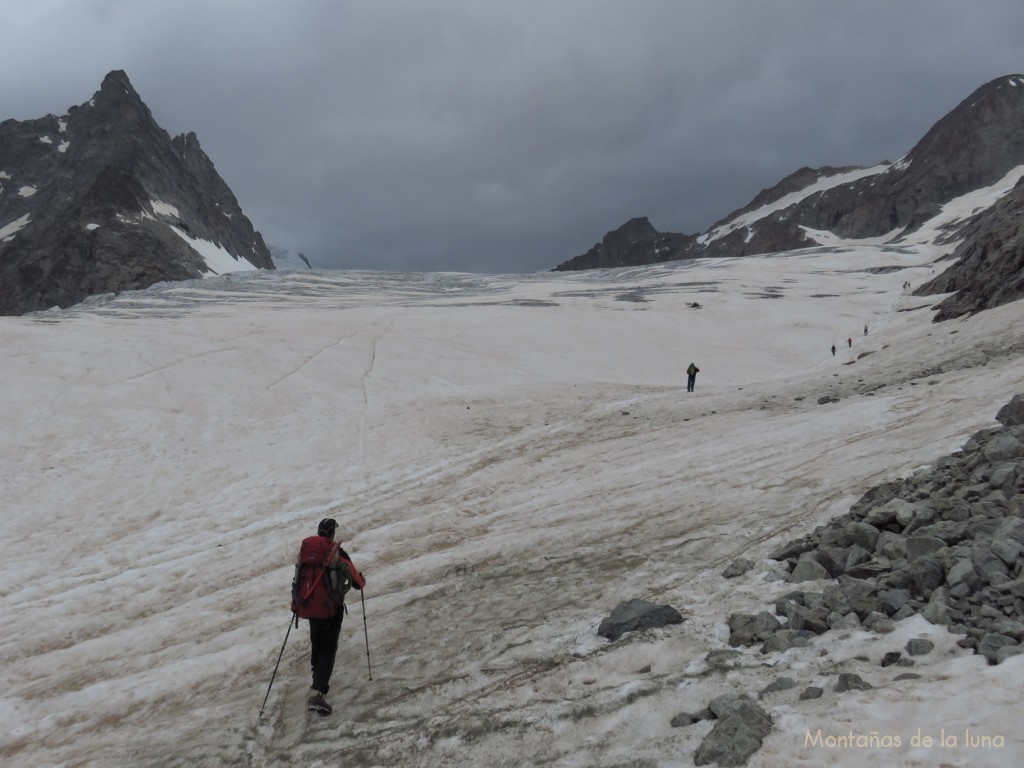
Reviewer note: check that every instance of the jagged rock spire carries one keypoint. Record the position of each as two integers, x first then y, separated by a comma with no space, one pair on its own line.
110,202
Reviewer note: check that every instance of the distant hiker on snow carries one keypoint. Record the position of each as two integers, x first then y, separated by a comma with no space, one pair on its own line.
833,350
849,342
691,376
323,574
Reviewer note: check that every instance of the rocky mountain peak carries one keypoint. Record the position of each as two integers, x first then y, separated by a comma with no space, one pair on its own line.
103,200
635,242
115,102
976,143
116,85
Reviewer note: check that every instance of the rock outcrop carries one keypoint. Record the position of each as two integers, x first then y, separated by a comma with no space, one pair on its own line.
635,242
946,543
989,263
741,726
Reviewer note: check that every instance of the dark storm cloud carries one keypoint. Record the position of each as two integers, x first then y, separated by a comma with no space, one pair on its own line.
510,137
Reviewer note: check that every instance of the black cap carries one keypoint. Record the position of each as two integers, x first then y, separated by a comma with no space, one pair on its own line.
327,527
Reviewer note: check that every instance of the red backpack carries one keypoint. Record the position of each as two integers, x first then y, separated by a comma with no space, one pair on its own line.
319,587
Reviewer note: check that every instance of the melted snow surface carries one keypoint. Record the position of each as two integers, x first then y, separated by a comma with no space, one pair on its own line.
509,457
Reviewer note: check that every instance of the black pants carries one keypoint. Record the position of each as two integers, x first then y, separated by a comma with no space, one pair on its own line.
690,381
323,640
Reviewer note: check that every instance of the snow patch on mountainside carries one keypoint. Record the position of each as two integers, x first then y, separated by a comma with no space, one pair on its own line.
218,260
164,209
958,210
8,231
821,185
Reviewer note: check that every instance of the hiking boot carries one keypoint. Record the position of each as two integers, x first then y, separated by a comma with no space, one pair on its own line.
317,703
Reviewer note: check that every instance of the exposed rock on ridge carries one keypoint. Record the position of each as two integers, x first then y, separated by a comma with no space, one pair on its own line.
635,242
94,201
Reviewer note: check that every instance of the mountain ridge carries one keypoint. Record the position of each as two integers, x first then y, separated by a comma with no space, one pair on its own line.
971,147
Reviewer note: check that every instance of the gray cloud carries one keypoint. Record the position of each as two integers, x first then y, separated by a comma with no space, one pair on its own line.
459,135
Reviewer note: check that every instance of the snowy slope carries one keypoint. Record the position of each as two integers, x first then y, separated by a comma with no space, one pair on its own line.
509,457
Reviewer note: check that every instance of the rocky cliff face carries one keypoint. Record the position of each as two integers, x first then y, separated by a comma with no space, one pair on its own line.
102,200
974,146
989,263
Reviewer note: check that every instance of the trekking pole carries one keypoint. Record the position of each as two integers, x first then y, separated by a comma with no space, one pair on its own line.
366,634
293,616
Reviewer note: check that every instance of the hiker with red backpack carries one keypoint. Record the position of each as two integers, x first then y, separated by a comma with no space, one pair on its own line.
323,574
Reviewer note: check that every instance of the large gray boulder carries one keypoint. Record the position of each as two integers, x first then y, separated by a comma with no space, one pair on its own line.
738,733
636,614
1012,414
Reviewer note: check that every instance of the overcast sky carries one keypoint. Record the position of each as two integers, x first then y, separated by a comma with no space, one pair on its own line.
482,136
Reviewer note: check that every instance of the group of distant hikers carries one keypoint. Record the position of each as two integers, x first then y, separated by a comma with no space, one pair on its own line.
324,573
849,340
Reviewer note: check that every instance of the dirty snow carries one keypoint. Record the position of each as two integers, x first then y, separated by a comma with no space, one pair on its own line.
509,457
